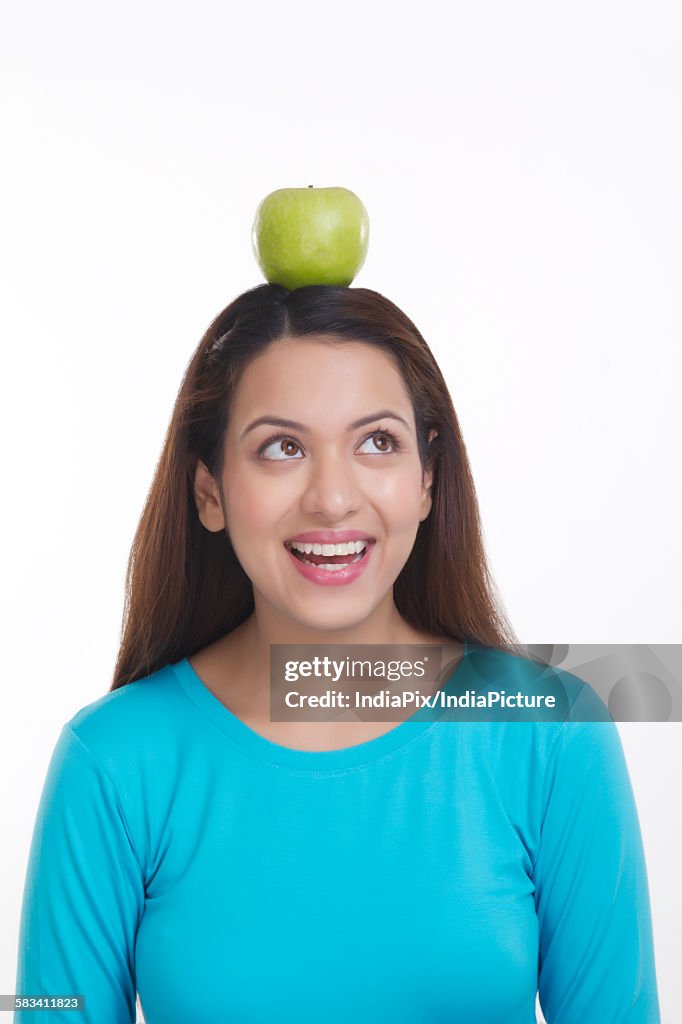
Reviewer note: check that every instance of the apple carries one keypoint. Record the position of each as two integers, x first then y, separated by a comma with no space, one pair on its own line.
310,235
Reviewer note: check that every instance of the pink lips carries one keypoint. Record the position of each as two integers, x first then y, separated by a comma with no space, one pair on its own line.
334,578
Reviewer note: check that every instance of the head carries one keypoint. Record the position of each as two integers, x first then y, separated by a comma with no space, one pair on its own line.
368,441
321,441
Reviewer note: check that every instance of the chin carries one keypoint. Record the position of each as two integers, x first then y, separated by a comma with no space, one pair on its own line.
335,619
325,625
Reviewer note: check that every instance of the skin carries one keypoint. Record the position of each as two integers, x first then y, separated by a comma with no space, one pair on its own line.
326,477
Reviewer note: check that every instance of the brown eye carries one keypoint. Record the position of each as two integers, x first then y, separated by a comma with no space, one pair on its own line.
389,442
284,449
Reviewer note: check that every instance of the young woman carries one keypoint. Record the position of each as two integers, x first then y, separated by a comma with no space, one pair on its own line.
226,866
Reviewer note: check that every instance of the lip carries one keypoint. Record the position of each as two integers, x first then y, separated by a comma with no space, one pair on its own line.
330,537
334,579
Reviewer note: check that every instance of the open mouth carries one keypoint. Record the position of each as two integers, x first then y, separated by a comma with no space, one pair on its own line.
330,562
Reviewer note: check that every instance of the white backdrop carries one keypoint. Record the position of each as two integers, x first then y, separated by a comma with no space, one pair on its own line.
521,167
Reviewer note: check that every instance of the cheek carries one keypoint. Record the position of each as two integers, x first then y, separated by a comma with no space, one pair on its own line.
399,498
254,503
244,502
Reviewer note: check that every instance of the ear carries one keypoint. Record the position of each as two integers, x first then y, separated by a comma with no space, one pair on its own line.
207,499
426,501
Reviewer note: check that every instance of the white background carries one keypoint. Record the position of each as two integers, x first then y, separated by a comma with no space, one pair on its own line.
521,166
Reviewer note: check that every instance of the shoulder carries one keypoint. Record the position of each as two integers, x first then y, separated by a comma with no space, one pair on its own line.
119,726
576,699
122,755
579,751
519,744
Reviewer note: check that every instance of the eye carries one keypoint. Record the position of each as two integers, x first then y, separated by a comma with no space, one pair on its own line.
285,444
395,445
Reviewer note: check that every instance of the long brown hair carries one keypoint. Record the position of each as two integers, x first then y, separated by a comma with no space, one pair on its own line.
184,585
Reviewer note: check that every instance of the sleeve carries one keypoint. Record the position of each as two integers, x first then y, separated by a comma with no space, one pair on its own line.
83,896
596,952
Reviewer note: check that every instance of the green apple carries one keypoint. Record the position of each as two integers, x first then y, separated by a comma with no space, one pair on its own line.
310,235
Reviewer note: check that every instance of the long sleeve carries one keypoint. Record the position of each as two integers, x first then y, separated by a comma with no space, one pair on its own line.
596,958
83,895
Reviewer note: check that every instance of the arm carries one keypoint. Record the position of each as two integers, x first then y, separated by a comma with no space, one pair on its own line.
596,962
83,896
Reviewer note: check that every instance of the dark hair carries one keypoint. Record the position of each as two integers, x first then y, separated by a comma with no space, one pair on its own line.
184,585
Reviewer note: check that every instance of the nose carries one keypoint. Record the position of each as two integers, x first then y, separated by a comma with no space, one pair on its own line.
331,486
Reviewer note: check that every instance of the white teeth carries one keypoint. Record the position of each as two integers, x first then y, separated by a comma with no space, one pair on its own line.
333,566
350,548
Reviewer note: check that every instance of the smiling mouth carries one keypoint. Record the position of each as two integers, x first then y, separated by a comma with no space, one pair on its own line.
328,561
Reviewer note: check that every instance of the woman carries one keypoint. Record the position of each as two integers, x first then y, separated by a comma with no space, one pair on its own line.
228,866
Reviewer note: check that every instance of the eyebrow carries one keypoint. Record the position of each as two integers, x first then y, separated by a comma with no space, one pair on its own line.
278,421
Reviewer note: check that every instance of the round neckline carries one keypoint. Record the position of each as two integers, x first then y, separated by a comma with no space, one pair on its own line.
366,752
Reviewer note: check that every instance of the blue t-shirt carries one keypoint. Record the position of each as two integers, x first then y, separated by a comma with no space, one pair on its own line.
447,870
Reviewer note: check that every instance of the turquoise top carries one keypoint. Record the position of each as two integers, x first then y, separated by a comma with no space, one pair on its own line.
447,870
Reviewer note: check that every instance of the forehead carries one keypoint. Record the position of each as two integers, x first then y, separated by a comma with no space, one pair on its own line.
320,379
